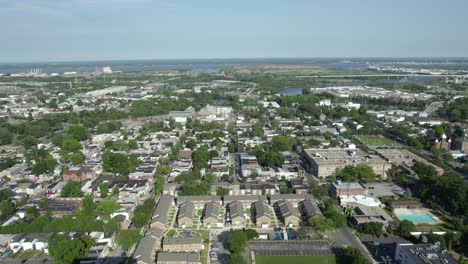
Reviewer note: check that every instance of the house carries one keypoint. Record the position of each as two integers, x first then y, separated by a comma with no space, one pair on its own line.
261,213
178,258
293,198
246,200
252,189
308,209
347,189
37,242
146,250
185,215
183,244
97,253
184,155
284,211
78,174
60,207
368,214
161,214
235,214
211,214
198,201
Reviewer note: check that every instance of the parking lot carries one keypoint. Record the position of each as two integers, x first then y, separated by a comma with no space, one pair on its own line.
290,248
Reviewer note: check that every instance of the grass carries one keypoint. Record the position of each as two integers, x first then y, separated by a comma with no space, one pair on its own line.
376,141
434,228
318,259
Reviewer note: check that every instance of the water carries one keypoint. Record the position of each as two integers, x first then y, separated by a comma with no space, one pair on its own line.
418,218
290,91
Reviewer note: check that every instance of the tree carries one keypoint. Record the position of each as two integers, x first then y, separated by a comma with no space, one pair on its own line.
283,143
222,191
405,228
236,259
104,189
31,212
320,223
71,189
128,238
143,213
191,144
65,250
372,228
423,170
353,256
106,207
236,241
362,172
159,184
87,205
257,130
6,210
77,158
44,165
119,163
71,145
78,132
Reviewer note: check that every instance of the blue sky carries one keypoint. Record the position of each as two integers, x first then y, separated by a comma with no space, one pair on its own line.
63,30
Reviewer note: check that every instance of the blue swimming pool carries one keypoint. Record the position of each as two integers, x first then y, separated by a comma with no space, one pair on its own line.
417,218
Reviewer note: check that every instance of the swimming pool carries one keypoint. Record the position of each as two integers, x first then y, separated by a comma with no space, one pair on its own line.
417,218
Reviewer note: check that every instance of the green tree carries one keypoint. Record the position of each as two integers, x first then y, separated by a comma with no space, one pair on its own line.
143,213
71,189
65,250
127,238
78,132
104,189
119,163
88,205
405,228
31,212
222,191
361,172
372,228
320,223
353,256
236,241
71,145
6,210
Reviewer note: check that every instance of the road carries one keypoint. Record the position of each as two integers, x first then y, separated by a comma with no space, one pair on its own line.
432,108
345,237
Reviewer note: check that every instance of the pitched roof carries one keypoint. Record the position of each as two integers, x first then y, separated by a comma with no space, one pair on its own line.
261,209
211,210
186,210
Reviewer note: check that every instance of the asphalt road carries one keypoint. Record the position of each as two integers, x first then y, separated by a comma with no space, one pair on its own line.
345,237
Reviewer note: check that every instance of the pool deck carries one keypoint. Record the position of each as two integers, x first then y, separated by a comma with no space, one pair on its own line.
403,211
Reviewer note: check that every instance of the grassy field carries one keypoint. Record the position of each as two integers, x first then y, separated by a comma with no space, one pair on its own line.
318,259
375,141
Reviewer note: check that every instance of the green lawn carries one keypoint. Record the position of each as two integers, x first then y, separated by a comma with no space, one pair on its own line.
316,259
375,141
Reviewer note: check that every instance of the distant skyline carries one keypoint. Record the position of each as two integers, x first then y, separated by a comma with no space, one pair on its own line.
89,30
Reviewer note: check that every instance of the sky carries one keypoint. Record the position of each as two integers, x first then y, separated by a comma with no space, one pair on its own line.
83,30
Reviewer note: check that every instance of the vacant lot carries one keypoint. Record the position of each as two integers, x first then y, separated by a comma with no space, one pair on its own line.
319,259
